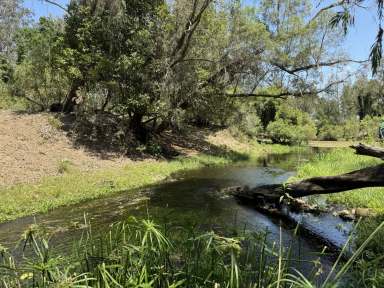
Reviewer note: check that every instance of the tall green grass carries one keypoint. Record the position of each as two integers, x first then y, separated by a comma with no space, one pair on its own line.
139,253
341,161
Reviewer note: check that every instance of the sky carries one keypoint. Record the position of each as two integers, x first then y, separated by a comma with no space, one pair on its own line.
358,41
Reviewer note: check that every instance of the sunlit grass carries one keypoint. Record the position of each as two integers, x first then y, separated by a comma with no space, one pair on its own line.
341,161
74,186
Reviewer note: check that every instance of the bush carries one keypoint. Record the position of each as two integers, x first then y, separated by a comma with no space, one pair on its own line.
246,122
351,129
331,132
369,128
291,126
9,102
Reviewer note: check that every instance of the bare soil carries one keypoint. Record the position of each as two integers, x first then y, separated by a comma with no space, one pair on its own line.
31,147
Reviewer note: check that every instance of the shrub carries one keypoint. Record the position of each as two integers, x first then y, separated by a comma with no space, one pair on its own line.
369,128
351,129
331,133
7,101
291,126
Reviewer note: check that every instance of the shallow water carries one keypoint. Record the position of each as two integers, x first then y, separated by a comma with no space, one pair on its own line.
194,197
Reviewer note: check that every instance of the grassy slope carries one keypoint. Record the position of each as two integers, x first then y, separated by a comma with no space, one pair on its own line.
341,161
75,186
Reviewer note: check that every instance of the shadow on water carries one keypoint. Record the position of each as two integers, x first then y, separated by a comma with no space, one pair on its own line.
193,198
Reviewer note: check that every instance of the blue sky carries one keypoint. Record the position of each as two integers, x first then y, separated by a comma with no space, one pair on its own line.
357,43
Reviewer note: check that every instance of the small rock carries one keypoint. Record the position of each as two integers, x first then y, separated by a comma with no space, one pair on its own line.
346,215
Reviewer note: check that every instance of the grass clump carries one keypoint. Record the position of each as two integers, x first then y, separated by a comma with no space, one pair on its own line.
64,166
339,161
140,253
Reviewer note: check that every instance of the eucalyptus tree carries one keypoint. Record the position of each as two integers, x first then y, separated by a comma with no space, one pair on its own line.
12,16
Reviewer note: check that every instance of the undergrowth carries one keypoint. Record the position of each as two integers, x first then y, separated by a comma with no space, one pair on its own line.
339,161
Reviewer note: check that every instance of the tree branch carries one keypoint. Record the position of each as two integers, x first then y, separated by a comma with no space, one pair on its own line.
57,5
326,8
294,70
284,94
184,40
366,150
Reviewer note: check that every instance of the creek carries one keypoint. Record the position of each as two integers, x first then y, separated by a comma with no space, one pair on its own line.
195,198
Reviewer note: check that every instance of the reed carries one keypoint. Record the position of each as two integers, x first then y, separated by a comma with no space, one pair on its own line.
140,253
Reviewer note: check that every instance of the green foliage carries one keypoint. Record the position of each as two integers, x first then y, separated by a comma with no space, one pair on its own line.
370,128
113,55
140,253
7,101
331,132
246,121
341,161
38,76
64,166
291,126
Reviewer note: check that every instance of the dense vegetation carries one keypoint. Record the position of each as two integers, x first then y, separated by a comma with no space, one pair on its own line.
135,69
141,67
140,253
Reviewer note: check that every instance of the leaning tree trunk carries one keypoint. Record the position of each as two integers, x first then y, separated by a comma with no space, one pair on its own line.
70,101
367,177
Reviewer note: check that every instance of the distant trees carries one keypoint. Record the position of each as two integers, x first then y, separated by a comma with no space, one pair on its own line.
291,126
13,16
155,65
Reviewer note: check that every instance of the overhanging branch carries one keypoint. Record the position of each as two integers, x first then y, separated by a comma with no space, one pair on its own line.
57,5
313,66
285,93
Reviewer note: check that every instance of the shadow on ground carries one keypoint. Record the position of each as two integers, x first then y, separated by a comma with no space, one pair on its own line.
106,137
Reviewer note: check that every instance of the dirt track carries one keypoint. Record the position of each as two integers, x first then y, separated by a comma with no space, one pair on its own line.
31,148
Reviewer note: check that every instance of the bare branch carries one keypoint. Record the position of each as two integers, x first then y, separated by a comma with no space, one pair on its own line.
286,93
57,5
184,40
294,70
326,8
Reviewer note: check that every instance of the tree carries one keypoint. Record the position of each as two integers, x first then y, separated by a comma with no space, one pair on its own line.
345,17
115,46
38,76
291,126
13,16
368,177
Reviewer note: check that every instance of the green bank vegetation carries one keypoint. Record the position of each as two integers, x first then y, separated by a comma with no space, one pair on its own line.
139,253
74,186
339,161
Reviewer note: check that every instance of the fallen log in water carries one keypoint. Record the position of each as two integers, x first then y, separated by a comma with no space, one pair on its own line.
271,195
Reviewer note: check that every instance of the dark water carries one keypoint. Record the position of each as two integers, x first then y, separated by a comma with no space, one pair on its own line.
195,198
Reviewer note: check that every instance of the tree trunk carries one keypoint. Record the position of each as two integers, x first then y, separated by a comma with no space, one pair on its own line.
138,128
368,177
363,178
70,101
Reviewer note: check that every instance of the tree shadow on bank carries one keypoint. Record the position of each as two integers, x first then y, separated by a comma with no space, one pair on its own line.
107,137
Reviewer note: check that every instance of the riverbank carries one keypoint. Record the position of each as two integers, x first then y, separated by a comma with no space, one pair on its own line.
44,173
339,161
